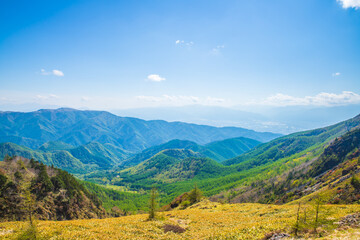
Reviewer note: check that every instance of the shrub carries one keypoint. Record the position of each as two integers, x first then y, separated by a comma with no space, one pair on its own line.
185,204
29,233
173,228
355,182
3,180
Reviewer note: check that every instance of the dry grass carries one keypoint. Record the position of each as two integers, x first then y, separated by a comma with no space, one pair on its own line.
206,221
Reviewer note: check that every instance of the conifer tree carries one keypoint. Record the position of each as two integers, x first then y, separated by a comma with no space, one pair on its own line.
195,195
153,203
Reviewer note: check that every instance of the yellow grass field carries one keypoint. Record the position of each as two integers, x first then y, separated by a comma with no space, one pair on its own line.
205,220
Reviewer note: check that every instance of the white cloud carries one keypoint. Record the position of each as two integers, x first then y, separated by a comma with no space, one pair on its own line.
217,50
155,78
57,73
43,72
350,3
84,98
336,74
54,72
321,99
184,43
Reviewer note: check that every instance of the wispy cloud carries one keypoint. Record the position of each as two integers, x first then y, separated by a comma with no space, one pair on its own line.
169,98
217,50
184,43
214,100
321,99
85,98
180,100
350,3
46,97
336,74
155,78
54,72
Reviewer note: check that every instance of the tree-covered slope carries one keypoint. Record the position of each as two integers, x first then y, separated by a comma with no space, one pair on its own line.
334,175
218,150
292,144
228,148
31,189
160,163
150,152
77,128
55,145
61,159
82,159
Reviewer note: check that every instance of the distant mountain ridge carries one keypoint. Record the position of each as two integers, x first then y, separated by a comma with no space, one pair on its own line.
218,150
81,159
96,156
76,128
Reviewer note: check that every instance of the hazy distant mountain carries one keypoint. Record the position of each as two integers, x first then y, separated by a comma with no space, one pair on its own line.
76,128
283,120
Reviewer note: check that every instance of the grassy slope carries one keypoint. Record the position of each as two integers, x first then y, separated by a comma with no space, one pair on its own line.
204,221
126,201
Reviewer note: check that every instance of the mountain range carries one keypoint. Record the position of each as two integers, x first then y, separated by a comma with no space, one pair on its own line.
266,165
278,171
75,127
96,156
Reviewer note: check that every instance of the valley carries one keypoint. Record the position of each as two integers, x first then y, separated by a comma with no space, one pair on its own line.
234,175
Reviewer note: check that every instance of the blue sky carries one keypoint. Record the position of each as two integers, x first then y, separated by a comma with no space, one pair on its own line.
131,54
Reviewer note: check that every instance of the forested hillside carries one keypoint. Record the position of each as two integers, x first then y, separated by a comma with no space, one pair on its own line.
218,150
82,159
96,156
30,189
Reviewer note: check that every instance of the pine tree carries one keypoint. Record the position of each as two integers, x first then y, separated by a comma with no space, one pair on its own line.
153,203
195,195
